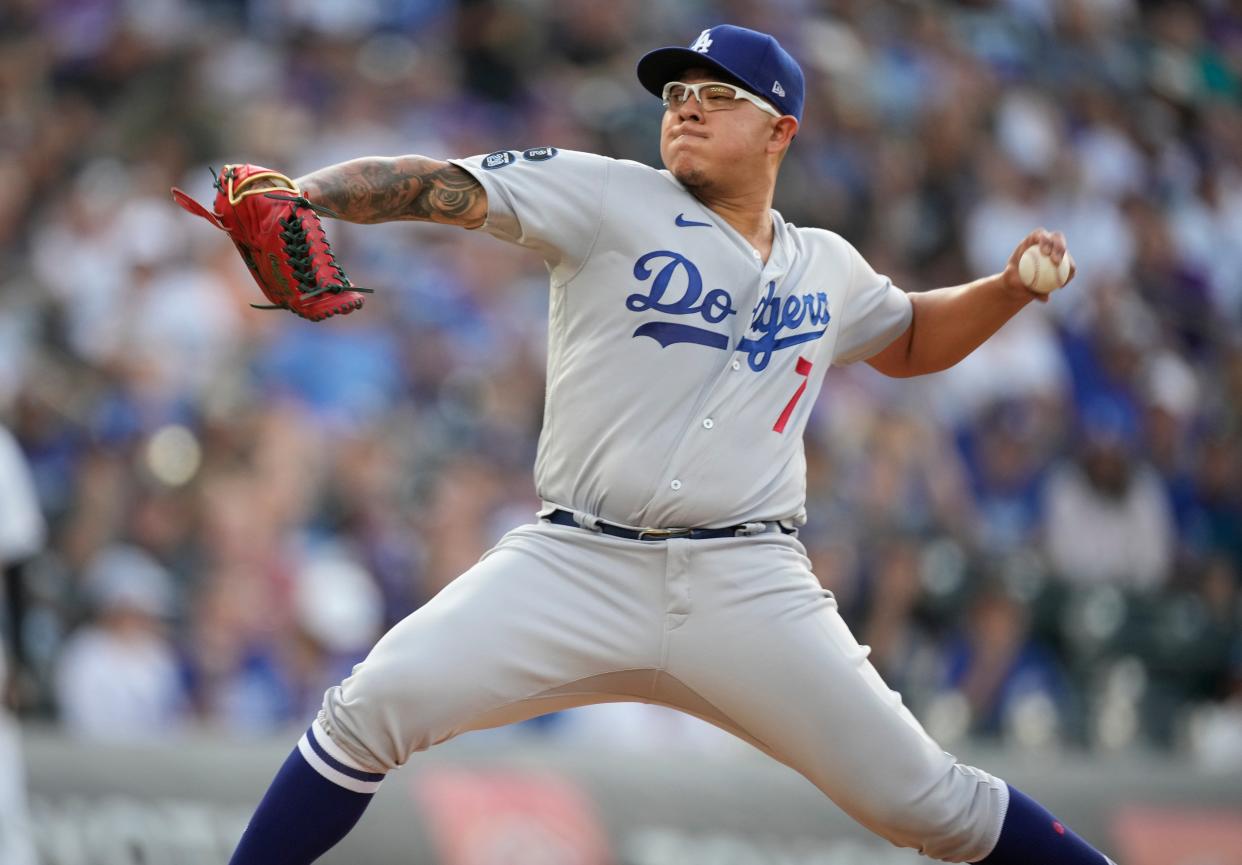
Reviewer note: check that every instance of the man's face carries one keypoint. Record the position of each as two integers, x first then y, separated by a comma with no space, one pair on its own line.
709,151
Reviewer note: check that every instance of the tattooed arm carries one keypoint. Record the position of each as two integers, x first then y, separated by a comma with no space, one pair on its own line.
381,189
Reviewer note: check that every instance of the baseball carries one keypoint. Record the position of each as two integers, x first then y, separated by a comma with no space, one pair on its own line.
1038,273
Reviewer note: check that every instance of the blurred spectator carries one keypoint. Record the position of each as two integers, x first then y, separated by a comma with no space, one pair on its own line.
1213,516
256,661
1108,517
1008,682
118,678
1007,459
339,613
233,657
902,649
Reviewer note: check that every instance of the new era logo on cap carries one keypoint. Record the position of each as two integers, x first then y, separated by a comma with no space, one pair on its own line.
754,59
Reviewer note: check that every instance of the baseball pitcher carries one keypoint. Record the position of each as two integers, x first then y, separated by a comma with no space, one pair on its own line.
690,329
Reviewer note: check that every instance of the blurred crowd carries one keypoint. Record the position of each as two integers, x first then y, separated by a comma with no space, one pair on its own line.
1042,546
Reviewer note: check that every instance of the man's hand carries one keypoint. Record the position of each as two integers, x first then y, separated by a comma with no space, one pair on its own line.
1051,244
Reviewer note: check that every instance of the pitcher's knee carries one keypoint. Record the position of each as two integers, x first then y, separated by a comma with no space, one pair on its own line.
372,717
956,819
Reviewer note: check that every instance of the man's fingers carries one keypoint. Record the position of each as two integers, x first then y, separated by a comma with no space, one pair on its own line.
1058,246
1050,243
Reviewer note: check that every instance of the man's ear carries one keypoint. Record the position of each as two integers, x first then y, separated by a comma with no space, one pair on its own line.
783,132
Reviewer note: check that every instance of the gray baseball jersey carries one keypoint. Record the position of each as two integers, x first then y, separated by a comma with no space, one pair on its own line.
681,367
681,373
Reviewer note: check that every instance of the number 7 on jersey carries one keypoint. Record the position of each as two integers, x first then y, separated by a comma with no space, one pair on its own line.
803,369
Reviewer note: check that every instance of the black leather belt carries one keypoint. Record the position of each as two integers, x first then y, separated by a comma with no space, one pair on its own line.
565,518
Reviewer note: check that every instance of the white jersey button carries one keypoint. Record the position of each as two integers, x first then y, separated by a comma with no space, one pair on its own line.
676,484
708,423
737,364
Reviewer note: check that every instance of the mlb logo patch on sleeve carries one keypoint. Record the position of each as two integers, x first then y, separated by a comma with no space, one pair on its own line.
499,159
538,154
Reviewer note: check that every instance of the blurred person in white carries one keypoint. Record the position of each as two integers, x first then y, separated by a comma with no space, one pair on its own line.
106,253
1108,518
251,664
340,613
78,251
22,533
118,677
183,331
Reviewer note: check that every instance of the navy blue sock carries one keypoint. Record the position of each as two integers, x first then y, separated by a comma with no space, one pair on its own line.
303,814
1032,836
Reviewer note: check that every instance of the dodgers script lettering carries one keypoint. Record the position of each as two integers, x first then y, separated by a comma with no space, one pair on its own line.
676,289
775,315
674,285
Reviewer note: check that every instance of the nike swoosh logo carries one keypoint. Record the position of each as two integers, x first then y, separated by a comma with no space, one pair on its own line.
682,222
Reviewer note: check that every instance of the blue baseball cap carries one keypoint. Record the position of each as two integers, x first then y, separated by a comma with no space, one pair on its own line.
755,59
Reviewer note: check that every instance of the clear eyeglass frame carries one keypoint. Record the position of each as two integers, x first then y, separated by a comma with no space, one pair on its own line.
713,96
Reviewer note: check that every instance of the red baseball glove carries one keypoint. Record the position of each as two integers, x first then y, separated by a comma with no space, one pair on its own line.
279,235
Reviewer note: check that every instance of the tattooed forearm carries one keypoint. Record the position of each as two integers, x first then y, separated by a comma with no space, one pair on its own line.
376,189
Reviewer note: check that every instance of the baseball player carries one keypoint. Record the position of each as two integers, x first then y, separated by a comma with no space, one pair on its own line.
690,328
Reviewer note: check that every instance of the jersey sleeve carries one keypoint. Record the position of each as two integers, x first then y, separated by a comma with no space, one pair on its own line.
876,313
547,199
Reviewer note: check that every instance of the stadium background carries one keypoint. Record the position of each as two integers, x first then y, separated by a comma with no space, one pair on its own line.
1042,546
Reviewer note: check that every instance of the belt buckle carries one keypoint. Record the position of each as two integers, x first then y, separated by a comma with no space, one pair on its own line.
661,534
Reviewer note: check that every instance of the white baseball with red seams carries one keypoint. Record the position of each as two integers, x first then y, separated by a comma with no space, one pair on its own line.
1039,273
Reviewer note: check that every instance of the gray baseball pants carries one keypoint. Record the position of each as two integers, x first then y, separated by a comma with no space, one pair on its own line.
736,631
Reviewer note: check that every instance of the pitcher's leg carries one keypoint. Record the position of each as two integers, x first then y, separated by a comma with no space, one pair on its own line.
821,709
552,617
764,644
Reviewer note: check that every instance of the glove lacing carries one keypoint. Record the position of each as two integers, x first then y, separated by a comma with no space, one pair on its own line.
297,244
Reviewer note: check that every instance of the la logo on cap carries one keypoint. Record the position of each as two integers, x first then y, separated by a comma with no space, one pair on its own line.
703,42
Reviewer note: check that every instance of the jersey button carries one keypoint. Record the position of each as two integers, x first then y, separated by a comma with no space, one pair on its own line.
708,423
676,484
737,364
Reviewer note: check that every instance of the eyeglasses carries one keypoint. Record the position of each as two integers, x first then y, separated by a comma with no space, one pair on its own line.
712,95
